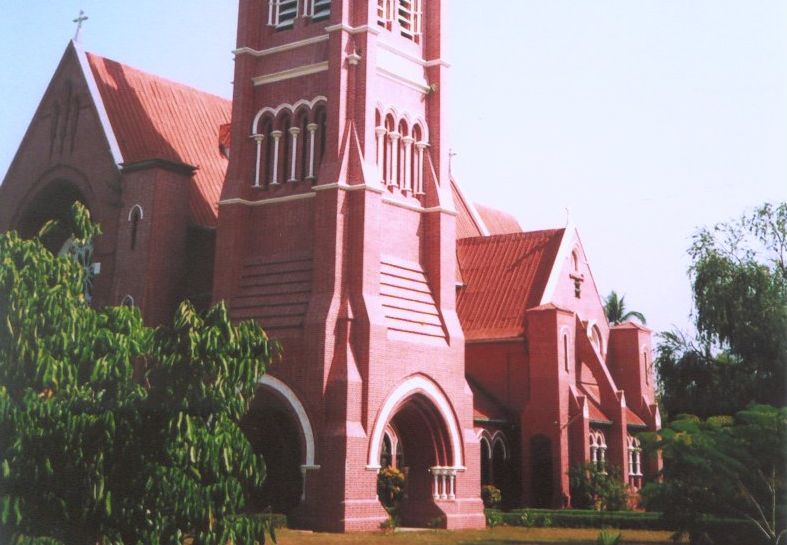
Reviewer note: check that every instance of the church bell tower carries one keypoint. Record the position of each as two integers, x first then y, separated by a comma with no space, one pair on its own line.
336,232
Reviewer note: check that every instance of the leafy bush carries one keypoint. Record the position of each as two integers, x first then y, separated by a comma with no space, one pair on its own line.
495,518
491,496
390,487
594,488
114,432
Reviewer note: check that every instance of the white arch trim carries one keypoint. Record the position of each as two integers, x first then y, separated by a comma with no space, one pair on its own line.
411,386
136,207
499,437
485,439
300,413
286,106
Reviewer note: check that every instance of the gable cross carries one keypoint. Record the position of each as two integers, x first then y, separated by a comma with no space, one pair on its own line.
79,20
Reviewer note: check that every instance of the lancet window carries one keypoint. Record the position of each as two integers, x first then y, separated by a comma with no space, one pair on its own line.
401,151
635,461
290,143
598,449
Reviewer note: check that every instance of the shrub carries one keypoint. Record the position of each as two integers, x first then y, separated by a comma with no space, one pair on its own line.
494,518
491,496
390,487
594,488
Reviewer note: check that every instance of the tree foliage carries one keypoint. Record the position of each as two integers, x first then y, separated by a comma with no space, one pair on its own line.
726,467
593,487
112,432
616,312
739,285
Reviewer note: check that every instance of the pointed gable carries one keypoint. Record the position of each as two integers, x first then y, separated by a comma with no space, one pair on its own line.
156,119
504,275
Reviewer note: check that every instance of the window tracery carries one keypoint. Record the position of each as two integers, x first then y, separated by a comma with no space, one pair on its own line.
598,449
635,461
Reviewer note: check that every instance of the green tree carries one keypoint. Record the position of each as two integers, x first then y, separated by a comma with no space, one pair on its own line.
725,467
615,310
593,487
112,432
739,355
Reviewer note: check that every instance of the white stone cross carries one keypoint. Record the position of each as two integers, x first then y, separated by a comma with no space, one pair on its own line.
79,20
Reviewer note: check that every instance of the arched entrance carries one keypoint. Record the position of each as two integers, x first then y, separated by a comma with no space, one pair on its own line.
431,448
53,202
279,429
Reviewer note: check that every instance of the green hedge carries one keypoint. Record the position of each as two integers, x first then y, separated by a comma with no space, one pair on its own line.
576,518
738,531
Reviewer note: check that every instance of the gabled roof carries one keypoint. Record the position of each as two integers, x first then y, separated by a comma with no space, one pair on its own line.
504,275
156,119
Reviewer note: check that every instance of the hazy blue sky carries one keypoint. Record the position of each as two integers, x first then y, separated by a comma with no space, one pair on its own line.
647,118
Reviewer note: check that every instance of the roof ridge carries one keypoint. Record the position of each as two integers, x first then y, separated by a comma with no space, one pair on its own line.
522,234
158,77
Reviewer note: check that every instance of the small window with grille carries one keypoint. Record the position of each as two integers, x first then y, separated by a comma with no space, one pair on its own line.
385,13
409,17
320,9
282,13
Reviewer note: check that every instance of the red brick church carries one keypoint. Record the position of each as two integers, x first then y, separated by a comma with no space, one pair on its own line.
419,329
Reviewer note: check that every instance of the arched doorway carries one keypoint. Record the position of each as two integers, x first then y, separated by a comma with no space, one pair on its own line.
541,470
278,429
431,448
52,203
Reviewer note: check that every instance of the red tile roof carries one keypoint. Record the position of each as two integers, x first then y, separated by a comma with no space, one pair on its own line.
154,118
497,221
595,413
504,275
633,420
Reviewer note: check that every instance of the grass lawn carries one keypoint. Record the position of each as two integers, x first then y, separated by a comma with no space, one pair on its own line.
505,535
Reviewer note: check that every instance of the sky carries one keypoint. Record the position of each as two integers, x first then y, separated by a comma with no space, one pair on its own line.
646,119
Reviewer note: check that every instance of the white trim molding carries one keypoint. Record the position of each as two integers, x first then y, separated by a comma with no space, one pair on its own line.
136,207
300,412
266,202
347,187
352,29
411,386
280,48
479,221
418,208
412,58
403,80
101,110
290,73
566,245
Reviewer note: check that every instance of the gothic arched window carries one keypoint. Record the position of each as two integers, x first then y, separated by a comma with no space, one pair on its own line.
134,217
